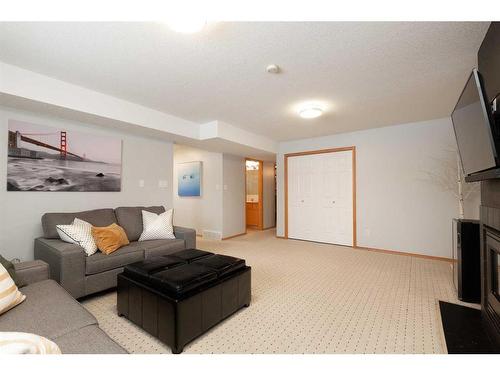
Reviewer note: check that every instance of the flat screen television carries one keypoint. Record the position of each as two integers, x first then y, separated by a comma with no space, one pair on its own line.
476,138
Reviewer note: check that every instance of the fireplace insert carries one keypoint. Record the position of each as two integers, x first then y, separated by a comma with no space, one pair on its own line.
492,278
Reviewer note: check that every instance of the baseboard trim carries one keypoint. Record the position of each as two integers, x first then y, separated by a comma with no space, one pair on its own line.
274,226
395,252
233,236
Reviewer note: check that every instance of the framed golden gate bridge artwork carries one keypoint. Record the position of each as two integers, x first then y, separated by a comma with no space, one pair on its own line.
46,158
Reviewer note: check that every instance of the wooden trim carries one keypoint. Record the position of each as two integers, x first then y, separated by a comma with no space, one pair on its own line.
395,252
322,151
286,195
271,227
245,197
261,195
234,235
354,217
325,151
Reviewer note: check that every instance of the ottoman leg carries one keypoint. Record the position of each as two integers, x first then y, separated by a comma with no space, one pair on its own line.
177,350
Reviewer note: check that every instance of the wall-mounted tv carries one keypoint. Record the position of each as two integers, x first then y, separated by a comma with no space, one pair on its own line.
477,143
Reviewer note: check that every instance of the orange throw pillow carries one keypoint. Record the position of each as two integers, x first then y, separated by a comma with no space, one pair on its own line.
110,238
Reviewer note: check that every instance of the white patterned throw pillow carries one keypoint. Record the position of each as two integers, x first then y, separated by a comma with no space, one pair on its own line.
10,296
157,227
64,232
80,233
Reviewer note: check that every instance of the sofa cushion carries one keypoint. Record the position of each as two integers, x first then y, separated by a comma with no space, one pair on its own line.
101,281
156,248
100,262
88,340
130,219
99,218
38,315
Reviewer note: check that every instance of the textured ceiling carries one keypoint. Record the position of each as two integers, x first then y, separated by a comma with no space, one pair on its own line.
369,74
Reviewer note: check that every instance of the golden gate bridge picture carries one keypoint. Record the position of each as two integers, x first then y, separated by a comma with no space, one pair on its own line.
43,158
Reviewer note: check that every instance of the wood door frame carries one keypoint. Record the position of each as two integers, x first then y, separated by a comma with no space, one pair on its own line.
325,151
260,225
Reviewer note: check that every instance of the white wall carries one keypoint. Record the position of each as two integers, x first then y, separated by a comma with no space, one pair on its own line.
24,86
204,212
400,206
143,158
269,199
234,195
220,208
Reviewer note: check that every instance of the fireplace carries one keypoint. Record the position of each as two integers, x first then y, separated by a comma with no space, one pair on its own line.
492,279
488,58
490,258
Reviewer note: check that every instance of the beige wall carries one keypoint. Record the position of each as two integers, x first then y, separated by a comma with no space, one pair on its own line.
400,204
142,159
204,212
220,208
234,195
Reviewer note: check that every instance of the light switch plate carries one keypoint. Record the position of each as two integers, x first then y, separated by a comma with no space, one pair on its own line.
141,183
163,184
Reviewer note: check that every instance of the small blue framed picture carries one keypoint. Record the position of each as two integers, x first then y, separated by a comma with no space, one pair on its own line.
189,179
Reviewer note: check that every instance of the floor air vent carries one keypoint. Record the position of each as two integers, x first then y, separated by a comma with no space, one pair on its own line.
212,235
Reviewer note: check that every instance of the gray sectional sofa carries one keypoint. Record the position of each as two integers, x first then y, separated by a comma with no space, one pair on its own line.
81,275
69,325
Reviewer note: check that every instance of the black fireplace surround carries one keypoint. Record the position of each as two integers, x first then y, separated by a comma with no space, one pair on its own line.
490,256
489,65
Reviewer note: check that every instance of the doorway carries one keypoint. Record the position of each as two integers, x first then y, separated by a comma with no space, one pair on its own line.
254,207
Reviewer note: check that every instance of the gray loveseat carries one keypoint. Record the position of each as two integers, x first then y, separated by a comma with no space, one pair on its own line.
81,275
50,311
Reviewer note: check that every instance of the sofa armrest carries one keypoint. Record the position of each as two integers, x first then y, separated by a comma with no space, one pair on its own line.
66,262
188,235
32,271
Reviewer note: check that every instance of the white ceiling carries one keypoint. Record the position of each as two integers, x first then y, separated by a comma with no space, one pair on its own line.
370,74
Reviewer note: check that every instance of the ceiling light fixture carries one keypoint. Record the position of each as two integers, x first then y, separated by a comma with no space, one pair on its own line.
310,111
187,25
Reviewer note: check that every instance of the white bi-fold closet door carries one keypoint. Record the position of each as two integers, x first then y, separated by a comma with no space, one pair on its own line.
320,197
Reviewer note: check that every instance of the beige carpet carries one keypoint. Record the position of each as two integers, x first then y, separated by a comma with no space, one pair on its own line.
314,298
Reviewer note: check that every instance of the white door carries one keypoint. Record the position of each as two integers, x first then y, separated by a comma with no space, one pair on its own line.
320,197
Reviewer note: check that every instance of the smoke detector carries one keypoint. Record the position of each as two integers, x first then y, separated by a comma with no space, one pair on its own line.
273,69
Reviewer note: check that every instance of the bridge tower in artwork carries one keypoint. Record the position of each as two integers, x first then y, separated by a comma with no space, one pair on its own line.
63,145
14,139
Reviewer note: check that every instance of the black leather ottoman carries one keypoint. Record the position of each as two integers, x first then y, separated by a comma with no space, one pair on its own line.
181,296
